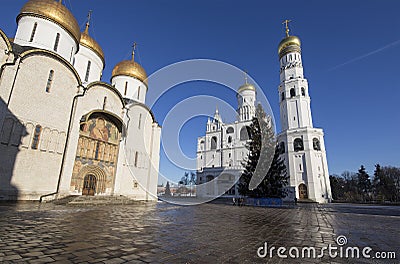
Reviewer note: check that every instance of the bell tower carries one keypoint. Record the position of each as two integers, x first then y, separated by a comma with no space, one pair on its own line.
301,145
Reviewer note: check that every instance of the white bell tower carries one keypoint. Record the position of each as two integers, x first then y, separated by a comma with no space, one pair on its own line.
301,145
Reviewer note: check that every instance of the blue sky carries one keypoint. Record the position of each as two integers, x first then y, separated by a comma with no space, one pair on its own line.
350,55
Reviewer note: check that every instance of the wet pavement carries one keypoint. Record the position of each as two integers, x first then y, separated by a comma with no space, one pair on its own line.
208,233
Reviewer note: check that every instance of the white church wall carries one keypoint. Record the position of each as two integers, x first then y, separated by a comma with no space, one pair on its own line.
45,36
81,65
139,172
130,88
36,168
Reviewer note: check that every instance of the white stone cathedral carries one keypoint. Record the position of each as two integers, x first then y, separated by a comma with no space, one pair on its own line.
62,130
221,152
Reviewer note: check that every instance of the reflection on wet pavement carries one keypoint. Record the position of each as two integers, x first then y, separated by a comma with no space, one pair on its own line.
208,233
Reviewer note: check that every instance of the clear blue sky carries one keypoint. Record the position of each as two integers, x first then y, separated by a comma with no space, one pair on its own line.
350,52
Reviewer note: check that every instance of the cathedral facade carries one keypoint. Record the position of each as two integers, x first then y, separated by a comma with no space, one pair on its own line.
62,130
222,151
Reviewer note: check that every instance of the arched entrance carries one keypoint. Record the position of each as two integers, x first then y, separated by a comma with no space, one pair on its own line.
89,185
97,154
303,193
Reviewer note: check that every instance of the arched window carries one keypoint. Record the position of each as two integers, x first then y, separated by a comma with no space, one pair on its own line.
316,144
292,92
303,91
283,96
298,144
126,88
213,142
57,42
281,148
49,81
245,133
33,32
36,137
230,130
89,63
229,139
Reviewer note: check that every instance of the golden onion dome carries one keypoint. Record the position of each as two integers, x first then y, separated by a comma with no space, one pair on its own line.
53,11
246,86
287,42
90,43
130,68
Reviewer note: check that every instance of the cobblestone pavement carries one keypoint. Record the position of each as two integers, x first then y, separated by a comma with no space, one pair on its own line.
208,233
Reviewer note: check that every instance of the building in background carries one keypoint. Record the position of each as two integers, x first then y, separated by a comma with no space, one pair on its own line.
222,151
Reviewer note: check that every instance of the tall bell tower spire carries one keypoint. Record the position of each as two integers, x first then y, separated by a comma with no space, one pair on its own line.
301,145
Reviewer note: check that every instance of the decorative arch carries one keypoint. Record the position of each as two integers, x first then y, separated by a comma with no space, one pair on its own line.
292,92
316,144
98,172
303,192
108,87
230,130
51,54
245,133
213,143
6,40
298,144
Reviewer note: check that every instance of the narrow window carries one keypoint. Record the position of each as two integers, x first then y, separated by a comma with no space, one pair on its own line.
89,63
283,96
303,91
292,92
126,88
36,137
138,92
213,142
49,81
70,56
104,102
136,159
56,42
33,32
316,144
229,139
140,120
298,144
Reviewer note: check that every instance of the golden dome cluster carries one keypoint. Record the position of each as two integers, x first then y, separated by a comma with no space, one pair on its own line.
53,11
130,68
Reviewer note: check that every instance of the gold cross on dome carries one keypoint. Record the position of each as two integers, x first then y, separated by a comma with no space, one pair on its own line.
286,22
133,50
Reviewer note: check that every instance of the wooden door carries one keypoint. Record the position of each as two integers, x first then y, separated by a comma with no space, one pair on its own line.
89,185
303,194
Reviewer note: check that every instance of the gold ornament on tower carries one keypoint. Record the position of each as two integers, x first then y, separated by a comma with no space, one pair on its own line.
288,41
53,11
89,42
130,68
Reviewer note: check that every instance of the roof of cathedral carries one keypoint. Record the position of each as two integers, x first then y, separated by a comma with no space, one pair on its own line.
130,68
90,43
53,11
